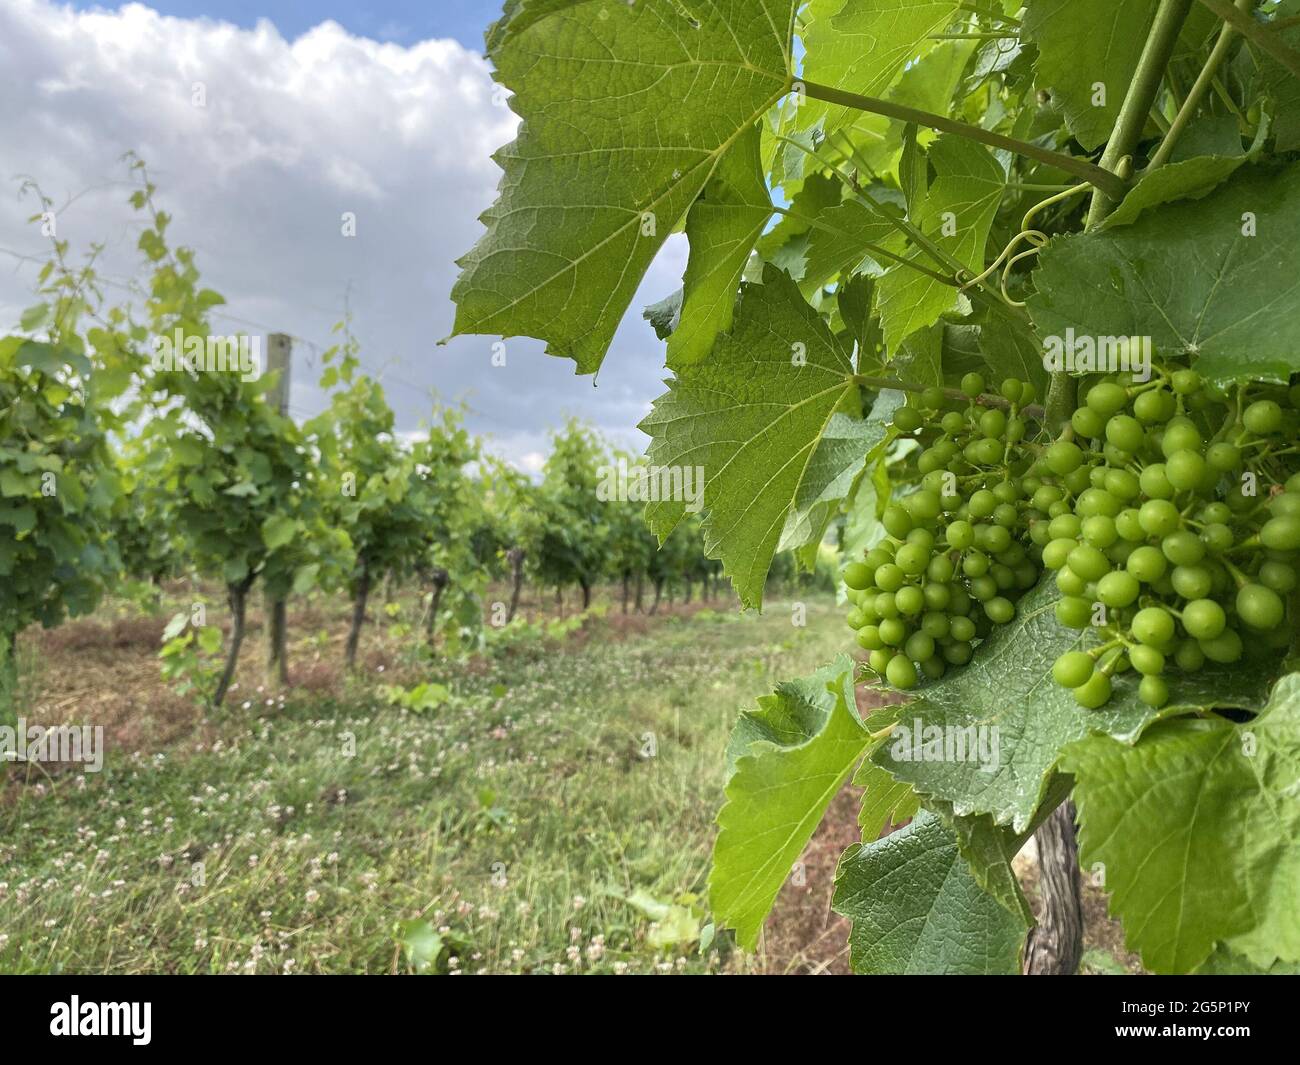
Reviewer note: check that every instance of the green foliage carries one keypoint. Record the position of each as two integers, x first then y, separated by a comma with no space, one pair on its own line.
908,260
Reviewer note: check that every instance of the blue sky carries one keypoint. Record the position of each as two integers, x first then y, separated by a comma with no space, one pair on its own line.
402,21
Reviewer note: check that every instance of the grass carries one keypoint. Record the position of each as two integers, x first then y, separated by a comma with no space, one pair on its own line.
332,831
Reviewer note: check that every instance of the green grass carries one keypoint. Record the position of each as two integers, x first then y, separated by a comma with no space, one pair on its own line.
515,820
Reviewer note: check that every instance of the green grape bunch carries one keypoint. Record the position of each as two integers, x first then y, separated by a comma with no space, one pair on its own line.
1178,543
958,551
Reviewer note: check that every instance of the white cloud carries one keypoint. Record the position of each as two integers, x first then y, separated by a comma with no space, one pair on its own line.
292,135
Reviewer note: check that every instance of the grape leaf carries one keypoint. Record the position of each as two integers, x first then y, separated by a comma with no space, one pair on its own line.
722,228
753,416
790,758
1008,689
1087,54
1224,962
885,801
1198,830
862,46
956,215
838,241
916,908
665,89
1187,275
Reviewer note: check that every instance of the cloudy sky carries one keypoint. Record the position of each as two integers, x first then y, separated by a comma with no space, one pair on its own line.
313,109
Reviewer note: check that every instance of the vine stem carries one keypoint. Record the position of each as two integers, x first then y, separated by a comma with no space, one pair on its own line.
1197,92
1103,179
1142,92
1265,37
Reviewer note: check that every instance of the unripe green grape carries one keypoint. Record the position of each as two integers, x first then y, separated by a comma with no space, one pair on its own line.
1074,612
901,673
1217,537
1153,626
940,569
958,654
1129,527
1204,619
1224,457
1154,406
961,535
1238,502
1159,517
886,605
1006,515
1225,648
1026,575
1070,583
975,564
1260,607
908,419
1045,496
919,647
995,538
1107,398
1060,510
1028,393
855,619
1215,512
1095,692
932,398
934,667
1087,423
880,554
993,423
1118,589
897,521
1119,552
961,628
936,625
1293,482
1012,389
879,660
910,600
890,577
893,632
1189,657
1146,563
1185,470
1097,474
921,537
1007,492
1123,485
1063,457
912,559
1073,669
1097,501
1192,582
1154,691
1155,483
1078,481
983,503
1015,430
857,575
959,603
983,588
937,596
1180,434
1185,382
1099,531
1262,418
1000,610
972,384
1281,533
1287,505
1066,527
869,638
1182,548
1088,562
953,423
1147,660
922,505
1057,553
1125,433
1279,576
987,452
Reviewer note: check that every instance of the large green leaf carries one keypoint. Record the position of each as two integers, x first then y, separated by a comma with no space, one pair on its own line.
916,908
885,801
722,228
956,215
863,46
665,89
1087,53
1198,830
753,417
790,758
1187,275
1008,688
